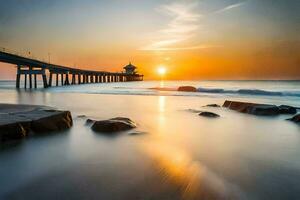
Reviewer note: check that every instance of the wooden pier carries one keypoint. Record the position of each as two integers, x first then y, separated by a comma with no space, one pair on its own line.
30,69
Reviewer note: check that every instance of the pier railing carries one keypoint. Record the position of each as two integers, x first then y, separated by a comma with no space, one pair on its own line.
28,54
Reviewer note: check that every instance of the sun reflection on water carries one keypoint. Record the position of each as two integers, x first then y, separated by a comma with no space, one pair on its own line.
177,167
161,112
162,104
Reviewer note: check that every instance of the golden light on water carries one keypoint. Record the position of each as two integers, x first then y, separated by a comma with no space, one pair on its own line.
162,103
178,167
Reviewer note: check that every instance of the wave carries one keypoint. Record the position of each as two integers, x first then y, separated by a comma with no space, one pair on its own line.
237,91
250,92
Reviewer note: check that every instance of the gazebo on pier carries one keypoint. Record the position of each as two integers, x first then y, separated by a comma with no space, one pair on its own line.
131,70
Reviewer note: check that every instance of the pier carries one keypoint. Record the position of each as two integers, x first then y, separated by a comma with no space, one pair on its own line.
30,69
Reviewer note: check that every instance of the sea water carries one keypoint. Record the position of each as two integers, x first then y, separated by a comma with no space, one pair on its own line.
177,155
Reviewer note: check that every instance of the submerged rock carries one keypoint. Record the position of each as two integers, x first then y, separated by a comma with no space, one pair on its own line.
209,114
194,110
213,105
90,121
136,133
295,119
187,89
81,116
285,109
259,109
113,125
252,108
16,121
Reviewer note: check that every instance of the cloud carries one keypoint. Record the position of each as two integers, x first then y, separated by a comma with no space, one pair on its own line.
183,48
230,7
183,25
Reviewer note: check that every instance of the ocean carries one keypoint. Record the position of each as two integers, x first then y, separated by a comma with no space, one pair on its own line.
275,91
179,155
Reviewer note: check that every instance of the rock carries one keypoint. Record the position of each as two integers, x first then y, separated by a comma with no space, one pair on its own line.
12,132
295,119
125,119
227,103
16,121
81,116
285,109
252,108
259,109
13,127
213,105
194,111
136,133
187,89
113,125
209,114
56,121
89,121
263,110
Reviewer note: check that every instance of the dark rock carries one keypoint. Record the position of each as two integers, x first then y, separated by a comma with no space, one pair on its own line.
213,105
12,132
125,119
136,133
252,108
13,127
227,103
295,119
113,125
56,121
285,109
16,121
209,114
263,110
187,89
194,111
81,116
89,121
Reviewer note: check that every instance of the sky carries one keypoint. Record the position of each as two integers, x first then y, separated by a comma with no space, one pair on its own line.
192,39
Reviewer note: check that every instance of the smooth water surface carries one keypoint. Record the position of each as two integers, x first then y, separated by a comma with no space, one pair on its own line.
179,155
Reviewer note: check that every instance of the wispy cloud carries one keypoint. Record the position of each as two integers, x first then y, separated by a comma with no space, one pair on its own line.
230,7
183,25
186,48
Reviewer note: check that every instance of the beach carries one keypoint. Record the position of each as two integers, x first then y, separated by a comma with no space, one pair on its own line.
175,154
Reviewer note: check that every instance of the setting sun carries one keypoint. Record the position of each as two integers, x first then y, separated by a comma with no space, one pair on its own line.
161,70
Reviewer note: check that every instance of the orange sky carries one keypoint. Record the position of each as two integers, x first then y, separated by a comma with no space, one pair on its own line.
232,39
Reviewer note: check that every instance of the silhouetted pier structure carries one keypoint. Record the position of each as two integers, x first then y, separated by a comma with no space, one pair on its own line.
30,68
